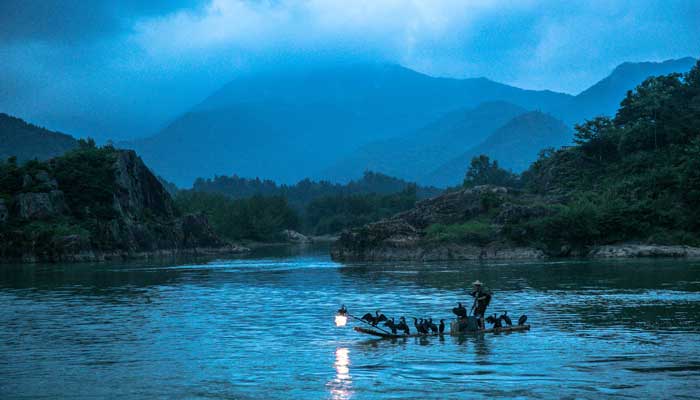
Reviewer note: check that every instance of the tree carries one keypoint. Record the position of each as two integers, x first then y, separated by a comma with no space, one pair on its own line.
484,172
595,137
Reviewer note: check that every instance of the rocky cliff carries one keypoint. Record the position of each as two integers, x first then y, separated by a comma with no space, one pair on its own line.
94,204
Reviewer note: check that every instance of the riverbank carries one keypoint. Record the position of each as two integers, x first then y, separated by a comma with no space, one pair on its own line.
453,251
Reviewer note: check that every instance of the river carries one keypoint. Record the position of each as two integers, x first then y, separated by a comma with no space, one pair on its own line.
262,327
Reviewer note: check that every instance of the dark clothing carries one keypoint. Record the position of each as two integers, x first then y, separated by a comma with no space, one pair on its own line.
482,298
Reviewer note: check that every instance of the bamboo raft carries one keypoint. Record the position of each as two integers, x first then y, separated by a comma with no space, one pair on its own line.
515,328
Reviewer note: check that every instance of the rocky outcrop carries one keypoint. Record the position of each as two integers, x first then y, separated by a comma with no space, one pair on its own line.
403,237
138,219
138,189
450,207
642,250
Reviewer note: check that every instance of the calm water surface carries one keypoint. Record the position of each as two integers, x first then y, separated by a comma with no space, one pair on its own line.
261,327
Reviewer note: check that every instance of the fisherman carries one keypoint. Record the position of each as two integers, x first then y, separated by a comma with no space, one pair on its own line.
482,298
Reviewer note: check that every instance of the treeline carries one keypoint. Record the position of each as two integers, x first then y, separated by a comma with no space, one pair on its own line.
634,176
257,218
263,218
254,209
304,192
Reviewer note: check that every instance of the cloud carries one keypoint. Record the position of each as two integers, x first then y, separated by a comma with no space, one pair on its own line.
137,64
525,42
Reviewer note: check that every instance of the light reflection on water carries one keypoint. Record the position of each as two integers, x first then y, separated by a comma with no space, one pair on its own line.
341,387
263,328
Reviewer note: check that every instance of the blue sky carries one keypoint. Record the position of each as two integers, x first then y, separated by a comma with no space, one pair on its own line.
127,67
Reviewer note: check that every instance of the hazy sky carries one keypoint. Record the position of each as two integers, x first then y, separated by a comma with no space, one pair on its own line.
125,67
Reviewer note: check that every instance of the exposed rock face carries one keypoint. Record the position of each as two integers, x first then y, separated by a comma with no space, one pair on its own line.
41,205
292,236
138,189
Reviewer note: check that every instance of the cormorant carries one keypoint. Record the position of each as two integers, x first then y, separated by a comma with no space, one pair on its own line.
460,311
403,326
522,319
505,318
493,319
420,325
441,328
432,326
392,325
374,319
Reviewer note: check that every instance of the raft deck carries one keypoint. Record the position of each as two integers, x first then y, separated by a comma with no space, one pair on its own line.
514,328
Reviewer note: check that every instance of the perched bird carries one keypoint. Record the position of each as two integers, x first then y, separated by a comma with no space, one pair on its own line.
505,318
441,328
342,310
522,319
403,326
493,319
374,319
432,326
420,325
392,325
460,311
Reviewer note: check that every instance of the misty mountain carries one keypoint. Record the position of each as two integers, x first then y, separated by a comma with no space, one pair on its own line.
515,145
605,96
425,149
291,125
26,141
410,156
337,122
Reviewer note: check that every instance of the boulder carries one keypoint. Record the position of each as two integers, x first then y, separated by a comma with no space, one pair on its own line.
294,236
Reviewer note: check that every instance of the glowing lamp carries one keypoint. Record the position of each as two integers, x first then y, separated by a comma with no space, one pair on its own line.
341,320
342,317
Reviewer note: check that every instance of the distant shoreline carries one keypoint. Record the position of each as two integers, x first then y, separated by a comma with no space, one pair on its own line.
455,252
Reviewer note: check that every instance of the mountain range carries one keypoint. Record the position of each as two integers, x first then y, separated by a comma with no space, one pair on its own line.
335,123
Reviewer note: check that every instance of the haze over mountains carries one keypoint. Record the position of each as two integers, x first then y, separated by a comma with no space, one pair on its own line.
338,122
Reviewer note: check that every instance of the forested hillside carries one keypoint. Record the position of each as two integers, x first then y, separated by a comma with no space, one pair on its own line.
26,141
